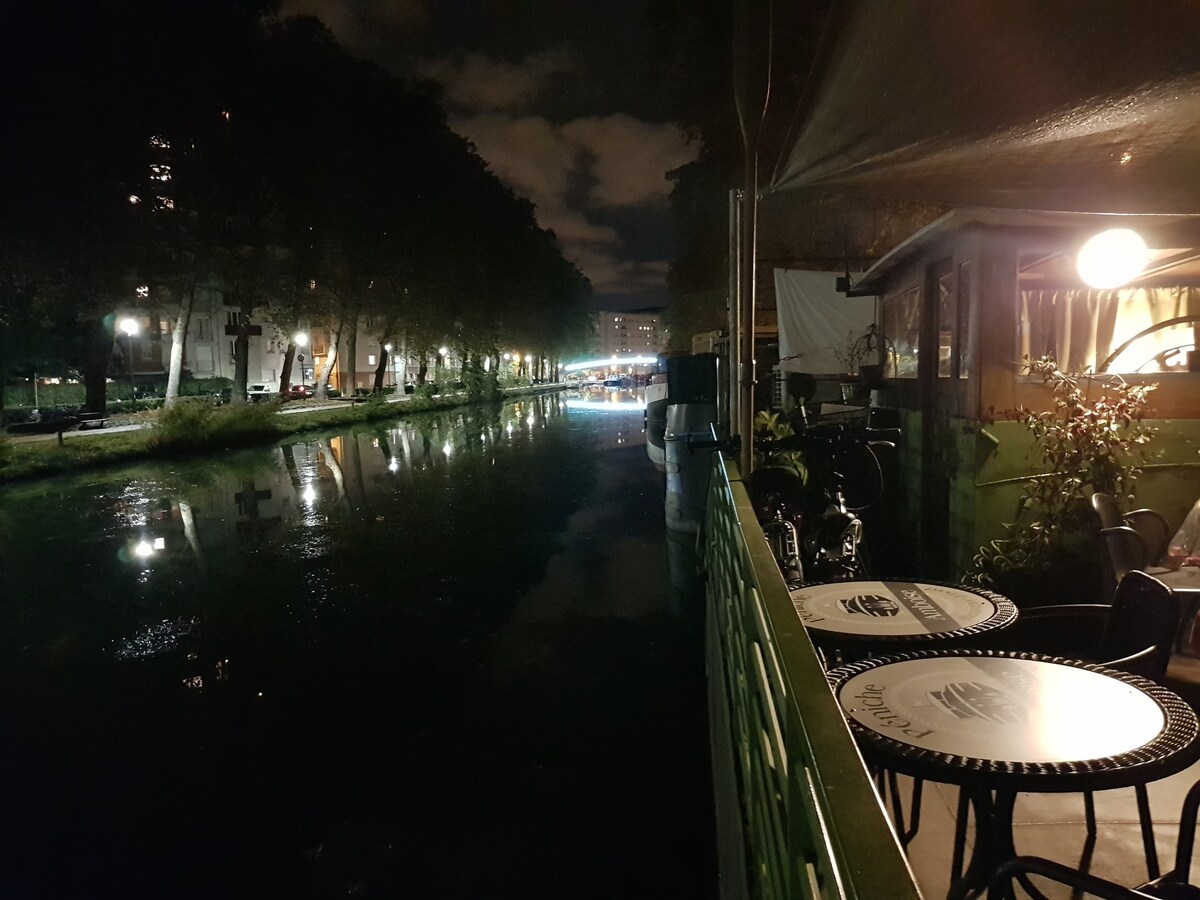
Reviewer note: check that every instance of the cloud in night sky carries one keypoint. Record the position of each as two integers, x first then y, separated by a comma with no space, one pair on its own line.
574,171
590,176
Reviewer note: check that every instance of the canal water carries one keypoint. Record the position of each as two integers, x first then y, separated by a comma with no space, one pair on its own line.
454,655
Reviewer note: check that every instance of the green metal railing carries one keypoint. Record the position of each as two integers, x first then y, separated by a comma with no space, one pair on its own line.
798,816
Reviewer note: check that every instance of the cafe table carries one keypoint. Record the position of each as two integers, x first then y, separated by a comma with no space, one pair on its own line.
850,619
997,723
1184,583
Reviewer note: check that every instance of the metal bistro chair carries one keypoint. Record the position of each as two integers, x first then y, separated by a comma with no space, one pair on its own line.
1134,634
1150,525
1172,885
1126,551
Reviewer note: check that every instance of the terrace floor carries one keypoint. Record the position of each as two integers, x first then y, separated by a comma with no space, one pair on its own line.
1052,825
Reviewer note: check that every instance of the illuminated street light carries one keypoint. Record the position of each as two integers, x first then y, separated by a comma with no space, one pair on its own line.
442,351
300,339
1112,258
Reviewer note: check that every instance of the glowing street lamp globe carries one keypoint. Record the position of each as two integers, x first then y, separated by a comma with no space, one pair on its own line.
1112,258
128,326
300,339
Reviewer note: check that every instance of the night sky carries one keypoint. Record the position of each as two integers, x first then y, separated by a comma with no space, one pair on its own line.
558,97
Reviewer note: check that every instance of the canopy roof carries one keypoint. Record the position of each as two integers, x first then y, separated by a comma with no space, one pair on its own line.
1071,105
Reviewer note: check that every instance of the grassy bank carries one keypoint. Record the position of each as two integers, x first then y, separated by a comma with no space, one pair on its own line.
196,427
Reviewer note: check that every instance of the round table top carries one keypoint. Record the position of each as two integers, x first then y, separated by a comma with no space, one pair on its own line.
1182,580
1031,722
898,611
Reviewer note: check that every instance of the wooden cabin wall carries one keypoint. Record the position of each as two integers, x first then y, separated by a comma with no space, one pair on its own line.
959,479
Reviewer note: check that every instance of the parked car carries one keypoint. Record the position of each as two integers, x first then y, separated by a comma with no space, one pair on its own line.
296,392
256,393
330,391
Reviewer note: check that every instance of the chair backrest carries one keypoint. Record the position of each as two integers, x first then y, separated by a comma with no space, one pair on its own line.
1107,512
1144,614
1124,549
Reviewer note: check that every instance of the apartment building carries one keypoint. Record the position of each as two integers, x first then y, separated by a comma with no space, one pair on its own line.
638,332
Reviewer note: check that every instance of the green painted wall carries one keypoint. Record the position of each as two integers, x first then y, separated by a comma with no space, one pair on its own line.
989,493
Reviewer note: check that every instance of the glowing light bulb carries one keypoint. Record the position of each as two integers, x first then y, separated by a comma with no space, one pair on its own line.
1112,258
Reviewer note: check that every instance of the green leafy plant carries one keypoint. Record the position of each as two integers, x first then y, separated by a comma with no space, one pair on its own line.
1093,438
850,354
772,425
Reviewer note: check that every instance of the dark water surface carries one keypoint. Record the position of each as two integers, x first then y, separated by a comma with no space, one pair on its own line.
439,657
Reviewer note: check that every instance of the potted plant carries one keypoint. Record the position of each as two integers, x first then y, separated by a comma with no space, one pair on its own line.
850,355
1093,438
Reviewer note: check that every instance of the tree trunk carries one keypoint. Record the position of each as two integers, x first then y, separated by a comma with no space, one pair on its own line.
349,365
4,332
241,364
422,370
381,369
95,373
178,341
285,373
330,362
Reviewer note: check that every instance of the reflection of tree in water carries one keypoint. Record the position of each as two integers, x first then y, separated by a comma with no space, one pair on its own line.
439,551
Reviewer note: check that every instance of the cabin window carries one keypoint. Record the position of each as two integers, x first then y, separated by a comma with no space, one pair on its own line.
901,326
1124,330
964,320
947,321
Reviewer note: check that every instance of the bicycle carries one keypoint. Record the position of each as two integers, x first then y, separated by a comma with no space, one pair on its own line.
814,531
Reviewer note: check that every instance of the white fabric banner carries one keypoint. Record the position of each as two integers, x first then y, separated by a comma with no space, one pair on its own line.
815,319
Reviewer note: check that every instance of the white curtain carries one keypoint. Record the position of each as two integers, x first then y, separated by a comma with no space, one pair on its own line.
815,320
1081,328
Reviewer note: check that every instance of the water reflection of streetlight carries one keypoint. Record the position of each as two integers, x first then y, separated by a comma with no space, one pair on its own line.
310,494
130,328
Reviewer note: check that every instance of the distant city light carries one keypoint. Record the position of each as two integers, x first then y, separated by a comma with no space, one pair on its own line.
600,363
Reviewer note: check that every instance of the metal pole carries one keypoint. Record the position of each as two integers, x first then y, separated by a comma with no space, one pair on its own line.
734,322
129,341
749,257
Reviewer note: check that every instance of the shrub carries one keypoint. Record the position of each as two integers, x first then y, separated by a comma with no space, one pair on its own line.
1092,439
194,422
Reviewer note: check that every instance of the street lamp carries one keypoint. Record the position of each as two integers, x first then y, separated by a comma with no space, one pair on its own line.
300,339
130,328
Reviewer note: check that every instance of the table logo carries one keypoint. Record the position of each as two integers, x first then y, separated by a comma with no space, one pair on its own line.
870,605
973,700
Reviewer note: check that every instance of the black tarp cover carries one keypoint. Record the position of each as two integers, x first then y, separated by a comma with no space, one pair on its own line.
1085,106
